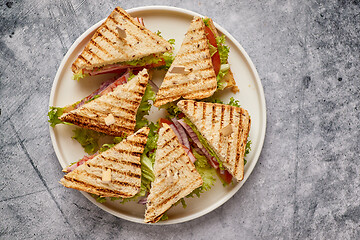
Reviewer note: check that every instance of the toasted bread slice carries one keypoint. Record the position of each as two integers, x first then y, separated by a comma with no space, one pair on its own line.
122,104
123,160
107,47
229,77
175,175
210,119
194,55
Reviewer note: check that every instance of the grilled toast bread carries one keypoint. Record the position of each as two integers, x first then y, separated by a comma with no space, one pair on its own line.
106,47
210,119
122,104
123,160
175,175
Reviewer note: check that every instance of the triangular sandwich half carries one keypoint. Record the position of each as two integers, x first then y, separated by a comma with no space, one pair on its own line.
225,128
113,113
198,80
119,43
175,175
113,173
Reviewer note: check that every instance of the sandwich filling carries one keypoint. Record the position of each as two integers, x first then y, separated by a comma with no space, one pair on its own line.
219,54
151,61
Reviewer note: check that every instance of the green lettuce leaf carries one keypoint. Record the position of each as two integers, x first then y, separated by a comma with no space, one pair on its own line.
222,49
54,114
234,102
164,217
131,76
172,109
207,173
151,59
167,56
88,139
224,69
212,49
206,21
79,75
224,55
204,142
144,108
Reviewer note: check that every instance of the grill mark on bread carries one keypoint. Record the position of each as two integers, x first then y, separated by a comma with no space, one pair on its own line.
166,130
175,95
106,39
173,196
174,159
168,153
122,161
86,122
230,122
98,189
181,85
129,111
239,133
127,32
105,113
194,51
138,25
123,99
139,94
100,48
221,121
113,181
198,91
137,144
166,189
141,134
110,30
167,142
84,59
114,21
128,152
94,55
127,173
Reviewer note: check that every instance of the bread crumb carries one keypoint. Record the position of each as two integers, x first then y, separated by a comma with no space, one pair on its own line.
235,89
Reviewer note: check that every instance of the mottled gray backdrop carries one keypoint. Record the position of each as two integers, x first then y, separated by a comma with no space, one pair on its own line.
306,183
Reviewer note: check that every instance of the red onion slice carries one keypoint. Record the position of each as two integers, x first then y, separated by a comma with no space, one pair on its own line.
190,154
142,201
182,133
194,137
176,133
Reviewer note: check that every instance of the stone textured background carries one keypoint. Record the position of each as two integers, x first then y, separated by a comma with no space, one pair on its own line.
306,183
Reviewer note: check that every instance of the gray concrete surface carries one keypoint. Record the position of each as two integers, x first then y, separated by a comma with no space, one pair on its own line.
306,182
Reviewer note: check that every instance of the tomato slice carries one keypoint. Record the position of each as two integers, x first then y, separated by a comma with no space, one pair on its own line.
216,57
181,115
226,176
164,120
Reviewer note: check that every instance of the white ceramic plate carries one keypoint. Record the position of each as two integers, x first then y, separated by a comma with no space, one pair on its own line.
173,23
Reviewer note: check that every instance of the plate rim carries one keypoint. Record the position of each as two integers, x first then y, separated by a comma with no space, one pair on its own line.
261,97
